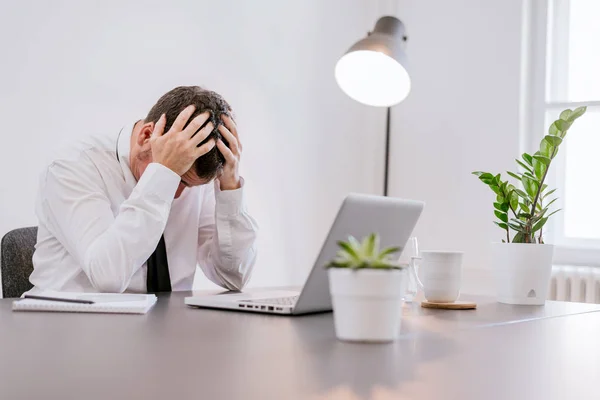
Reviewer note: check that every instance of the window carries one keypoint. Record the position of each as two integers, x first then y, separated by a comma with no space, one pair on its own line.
565,73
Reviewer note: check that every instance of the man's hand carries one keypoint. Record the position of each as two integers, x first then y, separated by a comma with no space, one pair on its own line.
230,177
177,149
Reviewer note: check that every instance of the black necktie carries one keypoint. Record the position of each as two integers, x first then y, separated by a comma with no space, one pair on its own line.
158,278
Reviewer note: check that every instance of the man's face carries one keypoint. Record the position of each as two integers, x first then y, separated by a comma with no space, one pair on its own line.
189,179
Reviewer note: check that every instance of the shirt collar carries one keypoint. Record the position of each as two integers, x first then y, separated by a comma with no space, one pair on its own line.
124,149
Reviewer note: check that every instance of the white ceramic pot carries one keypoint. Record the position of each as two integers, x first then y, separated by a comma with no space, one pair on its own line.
522,272
367,303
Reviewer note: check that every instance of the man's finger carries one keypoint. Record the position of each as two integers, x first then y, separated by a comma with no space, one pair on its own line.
205,148
202,134
182,118
232,140
196,124
232,126
229,156
159,127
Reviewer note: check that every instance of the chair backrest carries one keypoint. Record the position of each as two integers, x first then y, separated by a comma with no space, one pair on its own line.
16,253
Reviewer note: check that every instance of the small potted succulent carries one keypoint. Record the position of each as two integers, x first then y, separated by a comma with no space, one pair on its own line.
366,286
522,263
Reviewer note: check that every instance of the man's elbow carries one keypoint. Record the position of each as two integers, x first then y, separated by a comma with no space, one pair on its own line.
236,280
233,281
104,279
109,286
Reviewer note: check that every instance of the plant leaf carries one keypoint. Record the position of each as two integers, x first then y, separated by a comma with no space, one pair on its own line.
501,225
369,245
527,158
525,167
563,126
539,216
500,199
566,114
484,175
543,159
348,249
386,252
519,238
497,180
552,140
516,228
496,189
518,222
530,185
578,112
517,177
552,201
539,168
514,200
356,245
546,148
525,208
553,130
501,207
523,195
501,216
554,212
548,193
538,225
383,264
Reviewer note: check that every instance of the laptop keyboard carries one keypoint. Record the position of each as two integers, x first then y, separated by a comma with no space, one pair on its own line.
279,301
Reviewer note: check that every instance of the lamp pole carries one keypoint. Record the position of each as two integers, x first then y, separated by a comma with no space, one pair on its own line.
374,71
386,170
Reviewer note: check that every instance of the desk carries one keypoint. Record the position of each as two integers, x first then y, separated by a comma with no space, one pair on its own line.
497,352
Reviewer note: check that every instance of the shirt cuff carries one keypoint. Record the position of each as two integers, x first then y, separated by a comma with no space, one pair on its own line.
229,202
159,181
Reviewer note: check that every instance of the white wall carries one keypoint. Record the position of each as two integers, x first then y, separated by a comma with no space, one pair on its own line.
70,68
73,67
461,116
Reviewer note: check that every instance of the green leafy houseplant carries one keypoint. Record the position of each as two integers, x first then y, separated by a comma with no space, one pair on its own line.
366,254
525,211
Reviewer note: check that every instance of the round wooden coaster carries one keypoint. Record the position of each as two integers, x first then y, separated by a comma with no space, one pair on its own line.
457,305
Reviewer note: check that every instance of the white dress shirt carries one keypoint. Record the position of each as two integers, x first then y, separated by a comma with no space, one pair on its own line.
98,225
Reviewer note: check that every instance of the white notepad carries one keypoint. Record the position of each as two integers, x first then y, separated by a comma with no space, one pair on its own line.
103,303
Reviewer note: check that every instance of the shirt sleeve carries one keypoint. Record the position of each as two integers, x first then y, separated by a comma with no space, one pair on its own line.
226,237
109,248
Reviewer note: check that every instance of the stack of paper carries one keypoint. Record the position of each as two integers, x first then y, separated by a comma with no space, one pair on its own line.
97,303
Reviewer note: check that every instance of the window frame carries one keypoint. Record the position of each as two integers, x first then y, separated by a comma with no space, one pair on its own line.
545,36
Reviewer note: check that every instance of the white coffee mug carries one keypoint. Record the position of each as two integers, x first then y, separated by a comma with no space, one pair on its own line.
441,275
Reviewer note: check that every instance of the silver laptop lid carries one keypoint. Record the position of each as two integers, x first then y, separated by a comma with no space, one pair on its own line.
359,215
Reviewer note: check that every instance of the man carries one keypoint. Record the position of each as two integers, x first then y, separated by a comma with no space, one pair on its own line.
138,209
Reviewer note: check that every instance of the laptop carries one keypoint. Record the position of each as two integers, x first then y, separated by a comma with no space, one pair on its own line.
359,215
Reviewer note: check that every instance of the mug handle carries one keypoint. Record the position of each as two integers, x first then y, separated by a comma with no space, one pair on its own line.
413,266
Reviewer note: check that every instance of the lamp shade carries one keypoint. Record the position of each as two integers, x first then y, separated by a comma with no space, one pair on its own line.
374,71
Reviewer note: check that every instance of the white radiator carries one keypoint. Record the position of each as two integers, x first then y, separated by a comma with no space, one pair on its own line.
579,284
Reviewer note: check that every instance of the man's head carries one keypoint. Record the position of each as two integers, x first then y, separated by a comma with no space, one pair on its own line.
206,167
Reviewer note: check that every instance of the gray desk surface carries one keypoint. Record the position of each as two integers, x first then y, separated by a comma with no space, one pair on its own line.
174,352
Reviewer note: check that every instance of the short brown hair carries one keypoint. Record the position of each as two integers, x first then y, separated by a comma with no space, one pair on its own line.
209,165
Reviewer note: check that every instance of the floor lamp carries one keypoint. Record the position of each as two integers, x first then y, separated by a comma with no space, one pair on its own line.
374,72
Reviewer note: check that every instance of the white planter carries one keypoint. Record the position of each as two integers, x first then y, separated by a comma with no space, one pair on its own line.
367,303
522,272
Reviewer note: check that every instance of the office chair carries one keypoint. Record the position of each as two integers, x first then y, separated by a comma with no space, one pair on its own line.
16,253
